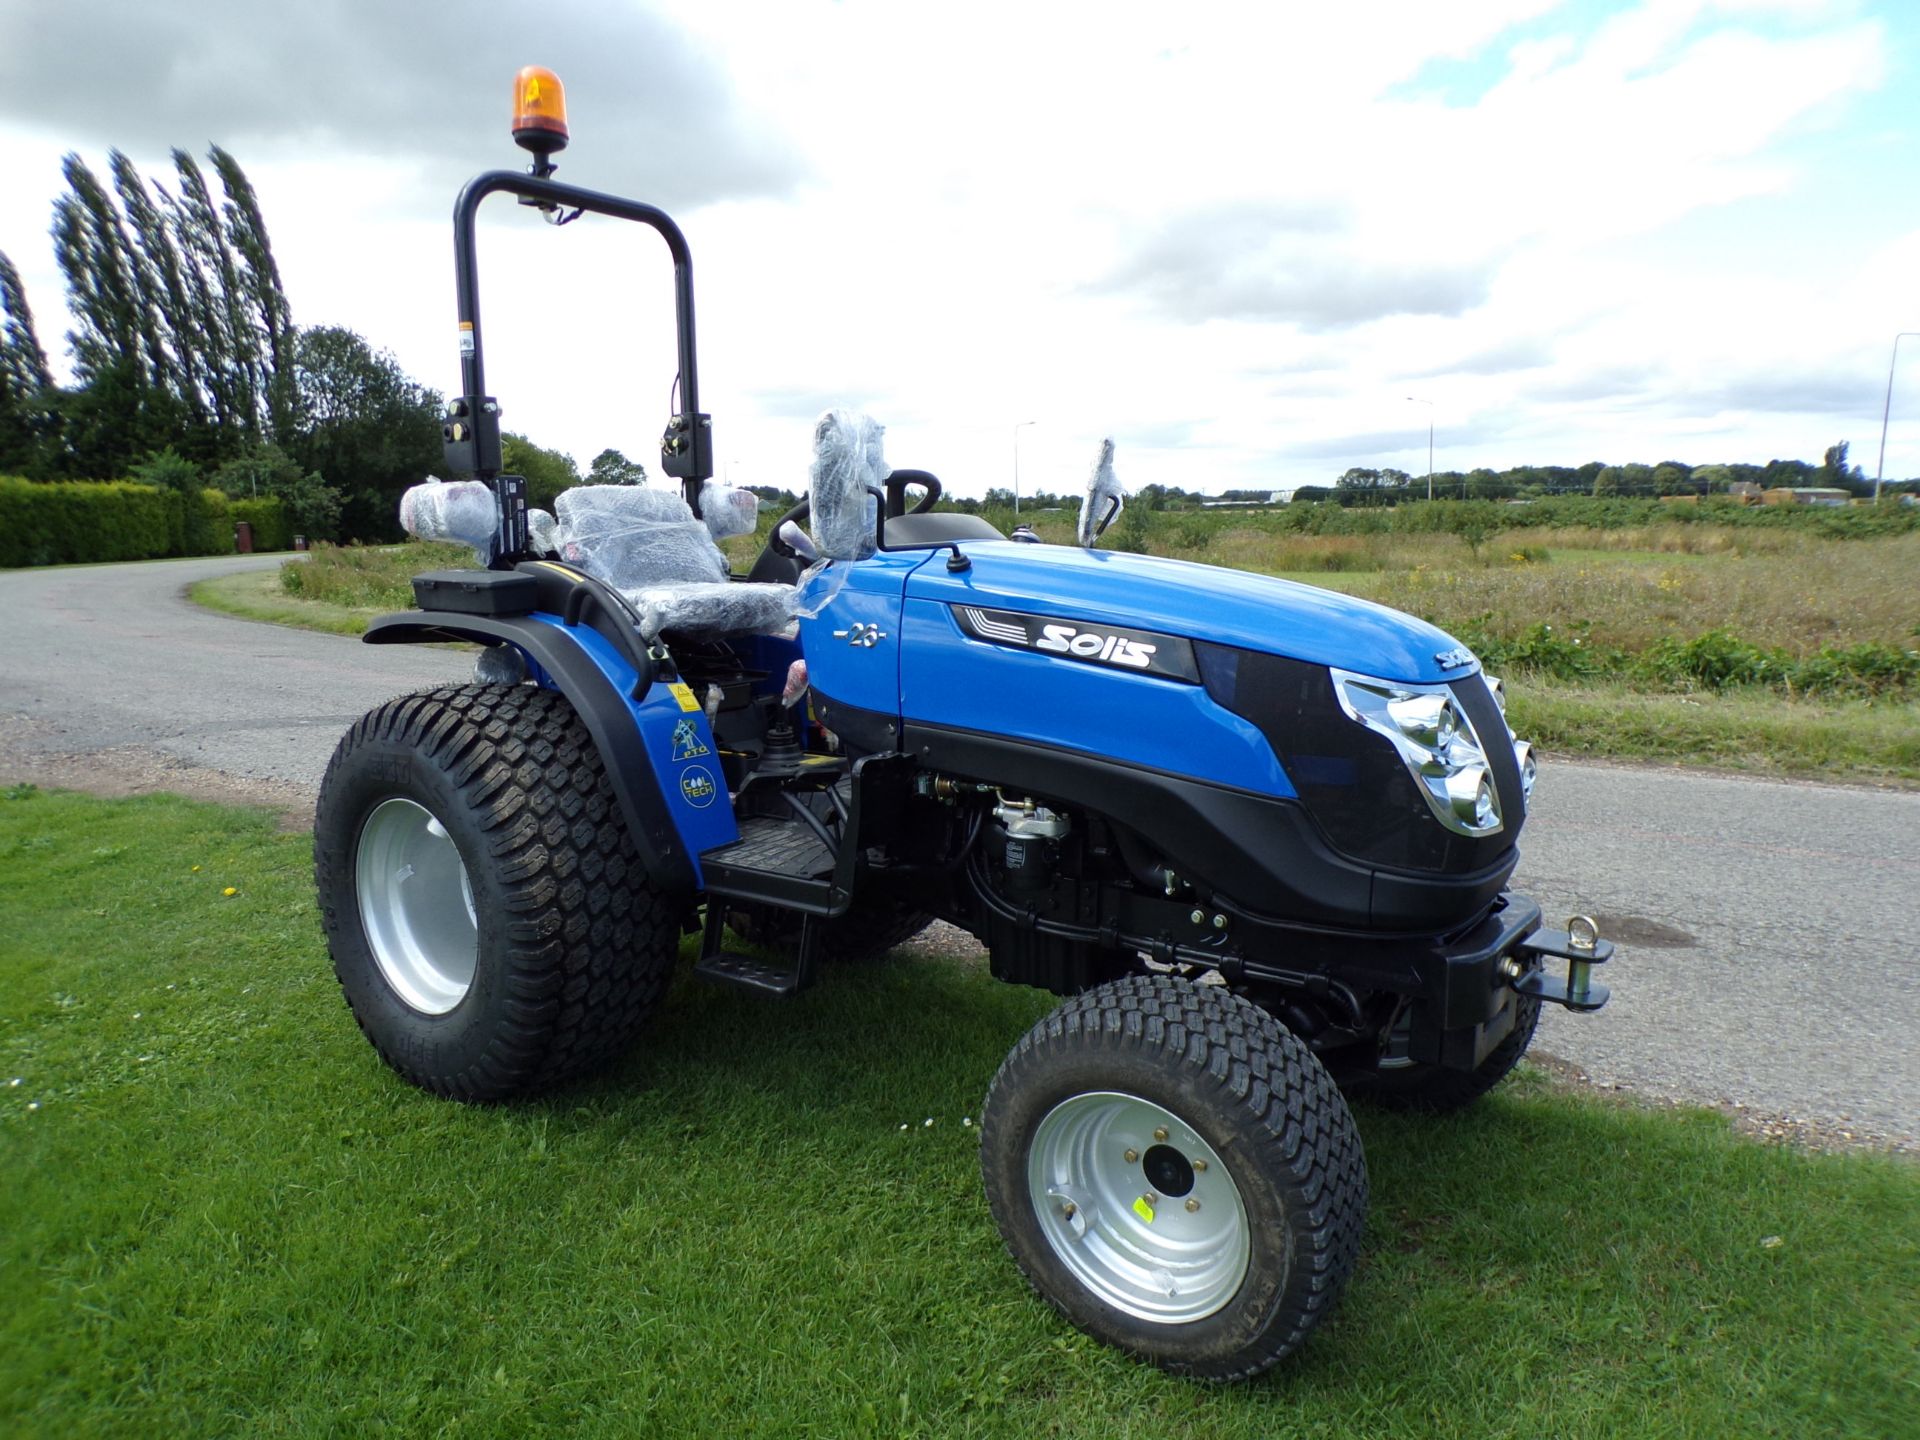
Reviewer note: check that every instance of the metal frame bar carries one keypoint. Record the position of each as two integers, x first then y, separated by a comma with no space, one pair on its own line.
687,448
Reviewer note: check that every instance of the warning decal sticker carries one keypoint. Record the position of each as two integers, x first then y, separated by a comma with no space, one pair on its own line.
687,744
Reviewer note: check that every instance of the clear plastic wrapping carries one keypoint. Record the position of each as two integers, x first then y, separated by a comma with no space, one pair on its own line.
846,459
461,510
1104,500
540,527
728,511
635,538
706,607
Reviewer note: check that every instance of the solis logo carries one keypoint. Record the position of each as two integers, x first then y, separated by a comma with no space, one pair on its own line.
1095,645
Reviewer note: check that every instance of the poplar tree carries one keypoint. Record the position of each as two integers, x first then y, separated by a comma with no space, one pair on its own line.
163,291
25,382
23,364
263,299
103,295
220,317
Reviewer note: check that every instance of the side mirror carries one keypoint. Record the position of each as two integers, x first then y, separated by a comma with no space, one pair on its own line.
1105,499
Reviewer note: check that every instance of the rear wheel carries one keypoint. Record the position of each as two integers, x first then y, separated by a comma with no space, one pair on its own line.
1176,1174
490,923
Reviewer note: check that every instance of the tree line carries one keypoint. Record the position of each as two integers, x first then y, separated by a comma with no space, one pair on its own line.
1362,486
189,371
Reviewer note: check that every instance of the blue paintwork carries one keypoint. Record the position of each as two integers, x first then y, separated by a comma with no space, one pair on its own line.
869,593
1204,602
949,678
923,667
703,823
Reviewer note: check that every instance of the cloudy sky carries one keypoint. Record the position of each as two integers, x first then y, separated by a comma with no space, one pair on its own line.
1235,237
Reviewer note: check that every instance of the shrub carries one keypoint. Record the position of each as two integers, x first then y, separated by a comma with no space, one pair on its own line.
1566,653
1716,659
80,522
74,522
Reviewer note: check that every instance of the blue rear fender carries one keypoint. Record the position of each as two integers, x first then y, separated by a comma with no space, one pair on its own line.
671,729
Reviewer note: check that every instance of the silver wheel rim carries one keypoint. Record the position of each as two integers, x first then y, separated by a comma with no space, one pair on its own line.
1172,1258
416,906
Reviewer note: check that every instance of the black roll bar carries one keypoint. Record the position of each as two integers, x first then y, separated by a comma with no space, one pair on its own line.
472,427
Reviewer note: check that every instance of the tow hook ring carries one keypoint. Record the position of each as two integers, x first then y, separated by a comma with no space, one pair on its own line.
1580,946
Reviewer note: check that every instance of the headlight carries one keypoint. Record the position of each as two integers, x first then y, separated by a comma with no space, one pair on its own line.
1437,741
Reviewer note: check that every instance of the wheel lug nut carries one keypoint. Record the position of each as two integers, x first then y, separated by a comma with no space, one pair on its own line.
1199,1167
1132,1155
1192,1205
1161,1133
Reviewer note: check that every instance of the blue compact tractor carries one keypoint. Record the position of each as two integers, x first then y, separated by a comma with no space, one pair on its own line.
1258,834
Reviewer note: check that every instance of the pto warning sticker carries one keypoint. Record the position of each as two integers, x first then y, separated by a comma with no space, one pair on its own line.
687,744
697,787
683,692
466,339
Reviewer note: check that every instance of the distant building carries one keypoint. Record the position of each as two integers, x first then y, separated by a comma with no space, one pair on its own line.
1747,492
1807,495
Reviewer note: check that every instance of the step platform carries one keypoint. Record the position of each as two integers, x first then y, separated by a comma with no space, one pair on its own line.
777,862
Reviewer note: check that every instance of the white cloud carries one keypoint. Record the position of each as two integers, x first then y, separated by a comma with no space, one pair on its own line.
1248,229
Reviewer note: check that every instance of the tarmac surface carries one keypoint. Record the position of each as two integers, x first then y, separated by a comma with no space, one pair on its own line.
1766,960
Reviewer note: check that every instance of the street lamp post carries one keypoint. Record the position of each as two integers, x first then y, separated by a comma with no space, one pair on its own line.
1887,409
1018,427
1429,404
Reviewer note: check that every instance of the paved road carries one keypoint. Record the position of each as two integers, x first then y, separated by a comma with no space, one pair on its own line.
104,656
1764,927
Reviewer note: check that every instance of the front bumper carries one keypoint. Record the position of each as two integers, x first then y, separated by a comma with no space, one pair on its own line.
1470,988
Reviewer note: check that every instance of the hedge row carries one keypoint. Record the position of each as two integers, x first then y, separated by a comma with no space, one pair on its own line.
1715,660
75,522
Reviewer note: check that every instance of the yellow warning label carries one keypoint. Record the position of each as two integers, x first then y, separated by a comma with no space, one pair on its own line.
684,694
1143,1209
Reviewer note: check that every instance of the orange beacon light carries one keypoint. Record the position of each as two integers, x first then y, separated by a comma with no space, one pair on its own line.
539,111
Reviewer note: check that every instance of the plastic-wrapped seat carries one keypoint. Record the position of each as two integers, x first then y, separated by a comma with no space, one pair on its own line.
647,545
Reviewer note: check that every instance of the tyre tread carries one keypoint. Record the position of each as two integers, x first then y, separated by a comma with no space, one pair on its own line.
589,944
1279,1085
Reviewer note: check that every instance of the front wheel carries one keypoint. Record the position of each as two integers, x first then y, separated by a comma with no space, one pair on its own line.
491,926
1176,1174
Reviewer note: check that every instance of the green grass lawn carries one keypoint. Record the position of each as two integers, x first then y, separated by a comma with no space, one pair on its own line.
222,1216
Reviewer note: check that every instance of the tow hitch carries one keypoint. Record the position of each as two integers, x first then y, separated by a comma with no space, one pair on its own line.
1582,948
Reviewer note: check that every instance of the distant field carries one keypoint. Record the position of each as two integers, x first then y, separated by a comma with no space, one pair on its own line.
1772,648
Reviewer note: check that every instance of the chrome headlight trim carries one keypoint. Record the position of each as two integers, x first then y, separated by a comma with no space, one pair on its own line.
1437,742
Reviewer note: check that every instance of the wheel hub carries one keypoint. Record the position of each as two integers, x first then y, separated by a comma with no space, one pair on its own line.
1138,1207
416,906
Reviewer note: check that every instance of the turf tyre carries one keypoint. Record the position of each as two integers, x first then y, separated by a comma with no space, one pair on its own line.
1256,1097
574,945
1411,1085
